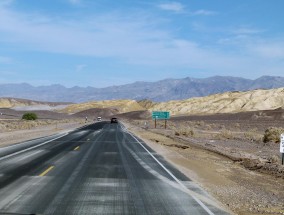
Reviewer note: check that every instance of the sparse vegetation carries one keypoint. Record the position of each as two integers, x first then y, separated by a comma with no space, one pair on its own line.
199,123
29,116
272,134
253,136
187,132
29,124
226,134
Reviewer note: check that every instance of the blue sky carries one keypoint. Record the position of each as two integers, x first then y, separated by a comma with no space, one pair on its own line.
102,43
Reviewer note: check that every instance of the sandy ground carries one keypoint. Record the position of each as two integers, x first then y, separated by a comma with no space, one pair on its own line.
16,135
240,190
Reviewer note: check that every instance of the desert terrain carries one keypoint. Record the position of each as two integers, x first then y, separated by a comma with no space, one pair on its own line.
228,143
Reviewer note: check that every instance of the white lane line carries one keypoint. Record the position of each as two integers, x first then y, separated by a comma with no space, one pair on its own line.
24,150
171,174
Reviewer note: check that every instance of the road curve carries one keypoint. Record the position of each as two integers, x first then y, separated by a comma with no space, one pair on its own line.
98,169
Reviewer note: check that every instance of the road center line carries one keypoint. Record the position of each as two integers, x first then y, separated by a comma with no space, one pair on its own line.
77,148
46,171
171,174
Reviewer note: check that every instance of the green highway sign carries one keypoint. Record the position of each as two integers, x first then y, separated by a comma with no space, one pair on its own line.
160,115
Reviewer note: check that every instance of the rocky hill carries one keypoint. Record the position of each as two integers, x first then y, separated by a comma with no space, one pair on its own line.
25,104
165,90
229,102
116,106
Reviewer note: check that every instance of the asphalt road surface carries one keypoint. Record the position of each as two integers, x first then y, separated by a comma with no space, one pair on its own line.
98,169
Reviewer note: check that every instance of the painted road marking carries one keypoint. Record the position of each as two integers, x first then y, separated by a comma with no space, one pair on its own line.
33,147
172,175
77,148
46,171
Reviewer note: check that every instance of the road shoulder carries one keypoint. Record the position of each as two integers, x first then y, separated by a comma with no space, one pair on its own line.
240,190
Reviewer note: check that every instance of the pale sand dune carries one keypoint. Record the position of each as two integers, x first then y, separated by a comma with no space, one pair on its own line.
9,103
122,106
229,102
25,104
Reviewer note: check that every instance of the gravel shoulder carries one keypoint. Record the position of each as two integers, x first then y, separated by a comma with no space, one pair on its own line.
240,189
16,135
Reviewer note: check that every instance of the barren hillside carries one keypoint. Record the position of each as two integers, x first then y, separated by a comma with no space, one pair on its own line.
22,104
229,102
122,106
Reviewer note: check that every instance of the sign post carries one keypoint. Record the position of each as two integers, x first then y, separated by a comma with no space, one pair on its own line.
155,122
161,115
282,147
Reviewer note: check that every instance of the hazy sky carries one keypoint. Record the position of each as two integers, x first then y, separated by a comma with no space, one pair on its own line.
111,42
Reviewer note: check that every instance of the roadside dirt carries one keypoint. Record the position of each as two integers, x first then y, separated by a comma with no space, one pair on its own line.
14,134
241,190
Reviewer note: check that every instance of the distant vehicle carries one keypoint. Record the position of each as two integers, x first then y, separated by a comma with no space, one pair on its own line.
99,118
113,120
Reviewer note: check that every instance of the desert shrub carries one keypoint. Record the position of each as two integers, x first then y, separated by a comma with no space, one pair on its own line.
171,125
185,132
29,116
253,136
189,132
272,134
208,127
200,123
226,134
2,126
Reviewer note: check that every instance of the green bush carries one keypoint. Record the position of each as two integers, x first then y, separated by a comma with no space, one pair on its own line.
272,134
29,116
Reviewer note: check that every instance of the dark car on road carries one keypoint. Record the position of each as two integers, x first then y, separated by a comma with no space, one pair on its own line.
113,120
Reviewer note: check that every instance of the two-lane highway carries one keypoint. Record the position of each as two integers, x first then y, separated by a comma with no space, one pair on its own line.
98,169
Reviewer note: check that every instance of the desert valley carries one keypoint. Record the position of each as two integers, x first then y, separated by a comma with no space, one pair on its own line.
234,136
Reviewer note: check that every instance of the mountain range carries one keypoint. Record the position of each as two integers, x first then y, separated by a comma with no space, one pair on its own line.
164,90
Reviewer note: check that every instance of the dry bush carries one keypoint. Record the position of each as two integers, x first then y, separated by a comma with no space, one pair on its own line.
171,125
224,134
190,123
23,124
200,123
214,126
208,127
227,134
253,136
177,133
2,127
187,132
272,134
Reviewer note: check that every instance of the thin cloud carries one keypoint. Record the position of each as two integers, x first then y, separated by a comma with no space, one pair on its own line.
6,2
75,2
246,30
172,6
241,36
136,42
80,67
268,50
203,13
5,60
